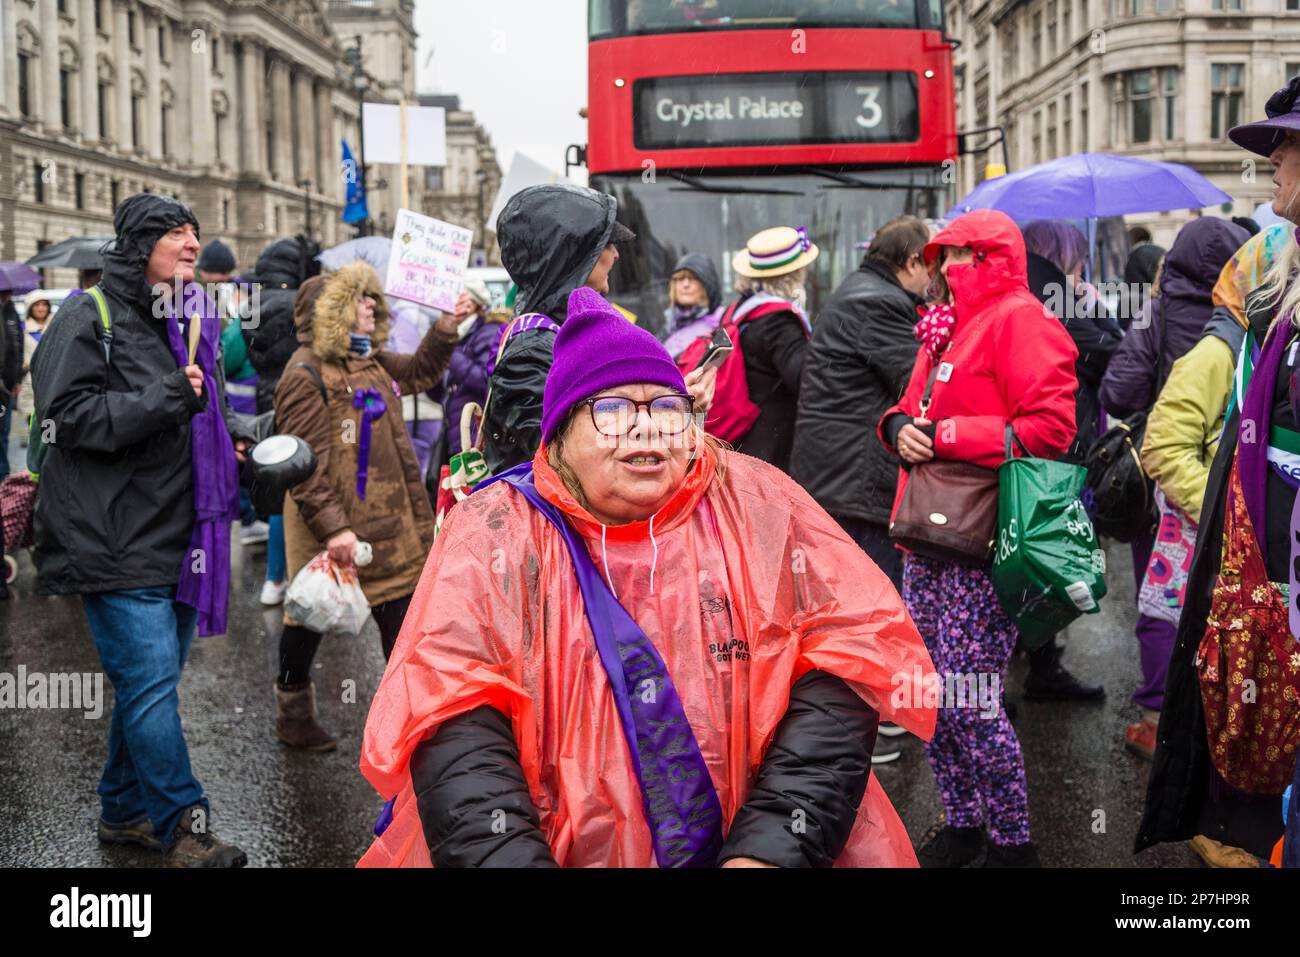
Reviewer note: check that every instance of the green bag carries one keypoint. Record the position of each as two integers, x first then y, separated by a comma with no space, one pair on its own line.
36,445
1048,567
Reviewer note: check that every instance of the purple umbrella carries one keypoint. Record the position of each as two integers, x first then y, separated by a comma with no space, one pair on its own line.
18,279
1089,185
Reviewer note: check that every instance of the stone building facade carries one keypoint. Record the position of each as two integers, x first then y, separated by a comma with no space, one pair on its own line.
236,107
1161,79
464,190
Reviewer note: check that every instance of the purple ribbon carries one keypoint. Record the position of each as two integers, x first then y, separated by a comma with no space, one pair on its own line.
205,570
681,804
804,241
371,404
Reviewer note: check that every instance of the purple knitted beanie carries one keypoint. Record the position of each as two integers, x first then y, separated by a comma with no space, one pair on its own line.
596,349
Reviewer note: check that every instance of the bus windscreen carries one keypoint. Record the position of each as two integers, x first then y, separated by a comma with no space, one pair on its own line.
617,18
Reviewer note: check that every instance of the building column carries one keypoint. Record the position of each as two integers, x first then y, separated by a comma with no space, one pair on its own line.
122,78
280,105
304,109
153,85
51,117
88,106
249,106
327,147
203,147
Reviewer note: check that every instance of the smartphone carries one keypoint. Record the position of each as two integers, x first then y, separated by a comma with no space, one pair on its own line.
719,348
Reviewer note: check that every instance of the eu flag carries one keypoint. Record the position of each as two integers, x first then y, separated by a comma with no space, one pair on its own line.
356,210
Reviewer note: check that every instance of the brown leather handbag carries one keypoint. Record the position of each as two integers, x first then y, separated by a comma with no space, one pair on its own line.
949,509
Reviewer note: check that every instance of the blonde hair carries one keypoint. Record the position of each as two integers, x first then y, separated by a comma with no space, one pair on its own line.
556,460
789,286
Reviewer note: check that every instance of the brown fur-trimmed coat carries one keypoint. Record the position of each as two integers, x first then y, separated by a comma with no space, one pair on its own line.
395,517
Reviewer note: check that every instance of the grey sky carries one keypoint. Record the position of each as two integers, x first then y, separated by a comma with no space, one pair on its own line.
520,65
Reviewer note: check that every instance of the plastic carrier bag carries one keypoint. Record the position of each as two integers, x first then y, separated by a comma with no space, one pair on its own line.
327,597
1048,567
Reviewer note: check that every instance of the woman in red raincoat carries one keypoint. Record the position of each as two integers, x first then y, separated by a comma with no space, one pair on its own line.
640,649
1002,359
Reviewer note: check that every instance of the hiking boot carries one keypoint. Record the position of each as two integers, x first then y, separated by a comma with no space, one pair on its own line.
1140,738
1012,855
1215,854
1048,680
138,832
195,847
952,847
295,720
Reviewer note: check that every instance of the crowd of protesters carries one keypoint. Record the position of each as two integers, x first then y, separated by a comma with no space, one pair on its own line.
648,500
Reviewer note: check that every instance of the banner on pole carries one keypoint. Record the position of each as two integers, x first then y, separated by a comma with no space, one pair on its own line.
428,261
426,134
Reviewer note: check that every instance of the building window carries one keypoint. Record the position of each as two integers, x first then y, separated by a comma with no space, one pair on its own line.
165,117
130,28
103,89
24,84
79,190
1292,68
65,98
1169,94
1036,40
1135,8
99,15
1067,104
1051,27
115,192
1226,94
1008,41
1138,93
219,133
63,7
1227,4
1165,6
1067,21
1038,136
137,118
216,54
1051,131
225,214
38,181
162,43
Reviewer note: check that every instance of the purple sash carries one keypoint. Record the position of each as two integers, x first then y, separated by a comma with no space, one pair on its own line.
681,804
530,320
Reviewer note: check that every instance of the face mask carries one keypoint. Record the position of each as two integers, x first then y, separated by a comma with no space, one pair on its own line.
963,281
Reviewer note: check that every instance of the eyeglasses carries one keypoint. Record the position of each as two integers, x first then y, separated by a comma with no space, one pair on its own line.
615,415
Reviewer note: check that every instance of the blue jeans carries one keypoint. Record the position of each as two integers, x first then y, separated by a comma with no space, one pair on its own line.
276,563
5,421
143,636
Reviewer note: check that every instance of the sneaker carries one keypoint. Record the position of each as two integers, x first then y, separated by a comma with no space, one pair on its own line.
254,533
885,751
273,593
1140,738
952,847
1012,855
138,832
192,848
890,730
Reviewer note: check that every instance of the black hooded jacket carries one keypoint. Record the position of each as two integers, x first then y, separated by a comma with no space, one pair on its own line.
116,503
859,360
551,238
282,267
1095,334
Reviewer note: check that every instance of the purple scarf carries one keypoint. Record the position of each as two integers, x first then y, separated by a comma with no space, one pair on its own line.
1253,431
205,571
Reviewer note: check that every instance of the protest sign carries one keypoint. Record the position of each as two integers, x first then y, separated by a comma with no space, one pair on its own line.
428,260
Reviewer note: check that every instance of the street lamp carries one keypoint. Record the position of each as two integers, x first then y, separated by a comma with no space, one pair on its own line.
360,83
481,175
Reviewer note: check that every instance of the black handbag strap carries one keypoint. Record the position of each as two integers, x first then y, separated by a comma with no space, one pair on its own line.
929,384
1011,436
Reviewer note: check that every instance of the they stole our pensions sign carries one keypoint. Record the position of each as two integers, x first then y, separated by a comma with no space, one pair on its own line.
428,261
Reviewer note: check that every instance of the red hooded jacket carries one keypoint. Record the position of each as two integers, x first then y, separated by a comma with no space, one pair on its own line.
1012,360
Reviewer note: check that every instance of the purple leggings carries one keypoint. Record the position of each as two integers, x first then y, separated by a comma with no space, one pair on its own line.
974,753
1155,638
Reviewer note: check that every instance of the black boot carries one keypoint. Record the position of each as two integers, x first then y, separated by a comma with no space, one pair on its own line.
952,847
1012,855
1049,681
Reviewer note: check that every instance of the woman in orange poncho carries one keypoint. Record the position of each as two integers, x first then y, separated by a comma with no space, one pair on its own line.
739,727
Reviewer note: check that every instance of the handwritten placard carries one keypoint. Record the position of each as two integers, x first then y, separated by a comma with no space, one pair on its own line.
428,260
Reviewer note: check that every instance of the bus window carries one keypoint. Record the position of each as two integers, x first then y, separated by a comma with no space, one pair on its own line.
614,18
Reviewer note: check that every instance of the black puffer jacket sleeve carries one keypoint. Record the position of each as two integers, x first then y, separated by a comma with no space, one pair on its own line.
811,781
12,349
473,799
514,413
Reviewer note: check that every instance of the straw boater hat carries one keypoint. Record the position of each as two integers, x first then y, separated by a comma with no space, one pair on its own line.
775,252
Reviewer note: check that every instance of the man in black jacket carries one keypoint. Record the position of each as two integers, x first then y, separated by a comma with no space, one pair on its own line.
115,516
281,268
11,372
860,358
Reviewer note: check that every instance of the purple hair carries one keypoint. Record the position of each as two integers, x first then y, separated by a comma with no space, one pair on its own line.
1056,241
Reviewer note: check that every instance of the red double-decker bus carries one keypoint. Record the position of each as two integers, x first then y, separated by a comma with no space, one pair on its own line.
711,120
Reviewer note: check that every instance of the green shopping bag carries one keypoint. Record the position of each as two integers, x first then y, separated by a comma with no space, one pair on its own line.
1048,567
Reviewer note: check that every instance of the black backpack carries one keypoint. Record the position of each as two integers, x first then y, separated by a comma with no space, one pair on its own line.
1119,495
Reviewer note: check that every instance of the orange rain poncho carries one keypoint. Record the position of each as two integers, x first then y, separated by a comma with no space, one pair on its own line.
745,586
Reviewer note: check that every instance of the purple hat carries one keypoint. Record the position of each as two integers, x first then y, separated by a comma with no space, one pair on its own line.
596,349
1283,111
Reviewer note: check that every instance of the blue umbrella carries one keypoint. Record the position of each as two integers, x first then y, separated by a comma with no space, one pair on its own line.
371,249
17,278
1089,185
